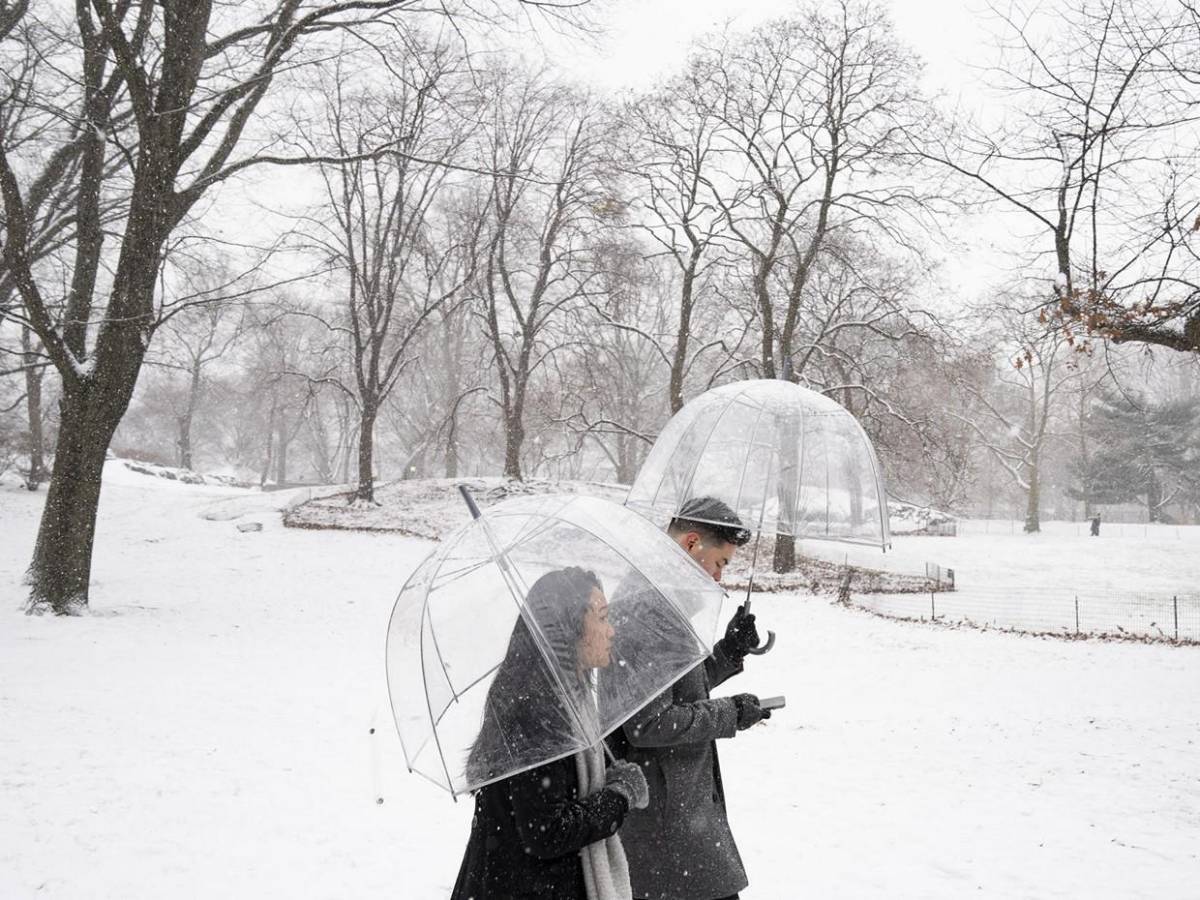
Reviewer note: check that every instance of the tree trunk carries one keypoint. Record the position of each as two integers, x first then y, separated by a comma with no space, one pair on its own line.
789,464
346,448
626,459
269,456
450,457
856,498
514,437
679,359
185,421
514,432
1032,507
183,441
281,451
33,404
366,455
59,574
1153,498
785,553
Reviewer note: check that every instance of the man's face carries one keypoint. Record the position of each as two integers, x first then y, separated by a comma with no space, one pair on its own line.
713,555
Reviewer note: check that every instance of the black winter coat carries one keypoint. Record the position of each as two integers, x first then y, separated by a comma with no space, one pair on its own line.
527,833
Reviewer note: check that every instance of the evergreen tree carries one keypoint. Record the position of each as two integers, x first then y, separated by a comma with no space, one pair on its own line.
1146,450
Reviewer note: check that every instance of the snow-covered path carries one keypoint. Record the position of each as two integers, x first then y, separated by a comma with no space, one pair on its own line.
206,733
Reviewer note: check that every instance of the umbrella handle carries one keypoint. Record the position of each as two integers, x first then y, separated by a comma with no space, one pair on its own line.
759,651
470,501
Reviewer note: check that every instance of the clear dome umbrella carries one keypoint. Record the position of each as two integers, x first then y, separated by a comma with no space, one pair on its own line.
788,460
482,665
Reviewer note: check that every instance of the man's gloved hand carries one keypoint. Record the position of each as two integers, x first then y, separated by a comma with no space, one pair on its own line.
748,711
741,635
626,779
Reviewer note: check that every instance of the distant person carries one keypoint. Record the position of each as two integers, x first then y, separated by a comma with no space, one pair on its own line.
680,846
1096,525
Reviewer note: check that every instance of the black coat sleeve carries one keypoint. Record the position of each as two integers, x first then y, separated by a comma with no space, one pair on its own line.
551,821
721,666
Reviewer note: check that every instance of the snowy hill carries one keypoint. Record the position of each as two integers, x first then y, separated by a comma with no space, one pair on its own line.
909,518
430,507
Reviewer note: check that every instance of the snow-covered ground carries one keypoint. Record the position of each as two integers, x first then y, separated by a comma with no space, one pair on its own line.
207,731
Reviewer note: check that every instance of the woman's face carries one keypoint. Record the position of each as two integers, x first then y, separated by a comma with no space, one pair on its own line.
595,642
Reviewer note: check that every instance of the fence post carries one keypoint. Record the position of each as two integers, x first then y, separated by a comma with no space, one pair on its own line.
1175,606
932,608
1077,614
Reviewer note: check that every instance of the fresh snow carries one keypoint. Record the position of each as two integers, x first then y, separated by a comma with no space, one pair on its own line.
205,732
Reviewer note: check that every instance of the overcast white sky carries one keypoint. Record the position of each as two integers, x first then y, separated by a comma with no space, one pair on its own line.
647,37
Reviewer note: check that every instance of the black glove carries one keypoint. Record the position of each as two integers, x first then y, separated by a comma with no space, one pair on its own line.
626,779
748,711
741,635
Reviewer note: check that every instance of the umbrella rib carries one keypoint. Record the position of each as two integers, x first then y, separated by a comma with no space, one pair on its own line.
388,674
444,576
442,660
438,555
762,514
434,781
880,488
428,705
795,499
699,456
466,688
737,500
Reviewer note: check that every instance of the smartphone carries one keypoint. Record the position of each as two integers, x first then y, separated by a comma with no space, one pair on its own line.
772,703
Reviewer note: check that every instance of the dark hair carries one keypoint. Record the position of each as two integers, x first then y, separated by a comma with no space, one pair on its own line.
711,518
524,703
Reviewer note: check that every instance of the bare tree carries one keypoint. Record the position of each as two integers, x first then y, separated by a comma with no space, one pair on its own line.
378,225
673,163
544,145
34,364
172,87
813,113
613,383
189,343
1016,410
1091,152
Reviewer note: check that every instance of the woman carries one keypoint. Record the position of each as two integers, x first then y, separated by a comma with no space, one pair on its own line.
549,832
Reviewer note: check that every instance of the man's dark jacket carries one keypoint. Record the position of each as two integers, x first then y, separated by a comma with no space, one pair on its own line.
681,847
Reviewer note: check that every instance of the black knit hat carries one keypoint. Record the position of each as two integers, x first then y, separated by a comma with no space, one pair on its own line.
711,517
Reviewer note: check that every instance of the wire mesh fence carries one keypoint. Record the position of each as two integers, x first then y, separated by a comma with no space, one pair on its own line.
1155,617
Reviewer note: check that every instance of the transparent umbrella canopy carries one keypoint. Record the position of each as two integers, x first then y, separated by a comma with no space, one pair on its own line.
788,461
482,657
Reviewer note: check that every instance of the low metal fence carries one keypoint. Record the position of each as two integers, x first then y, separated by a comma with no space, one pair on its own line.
1114,614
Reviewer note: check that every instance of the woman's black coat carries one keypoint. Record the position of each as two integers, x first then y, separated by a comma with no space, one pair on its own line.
527,833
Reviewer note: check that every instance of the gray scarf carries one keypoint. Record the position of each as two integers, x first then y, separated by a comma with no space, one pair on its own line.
605,869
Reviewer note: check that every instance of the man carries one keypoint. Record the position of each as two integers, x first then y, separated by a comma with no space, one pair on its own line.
680,847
